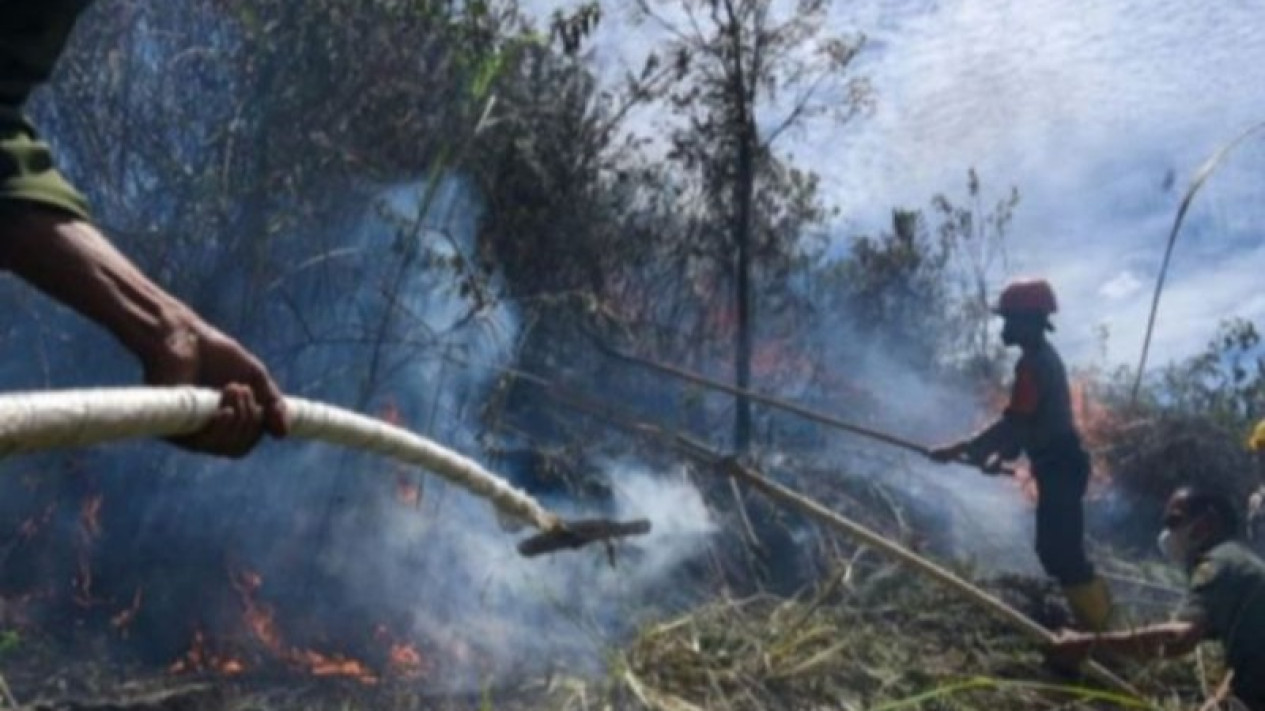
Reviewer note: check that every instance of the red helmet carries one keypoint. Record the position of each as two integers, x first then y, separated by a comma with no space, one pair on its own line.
1027,296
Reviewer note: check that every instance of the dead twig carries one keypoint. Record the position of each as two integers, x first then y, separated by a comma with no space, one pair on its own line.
7,694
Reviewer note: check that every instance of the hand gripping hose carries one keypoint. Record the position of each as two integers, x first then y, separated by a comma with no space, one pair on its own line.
75,418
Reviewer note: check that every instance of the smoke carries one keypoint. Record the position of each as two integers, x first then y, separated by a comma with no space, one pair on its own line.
463,585
873,381
374,316
987,523
443,570
991,521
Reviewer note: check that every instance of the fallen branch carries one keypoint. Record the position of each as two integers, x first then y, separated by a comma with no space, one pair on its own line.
6,694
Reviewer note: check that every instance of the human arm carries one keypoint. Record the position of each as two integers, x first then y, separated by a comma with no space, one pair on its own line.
1201,616
72,262
1167,639
996,443
1001,439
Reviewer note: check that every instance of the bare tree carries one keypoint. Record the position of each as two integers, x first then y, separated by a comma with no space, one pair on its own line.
748,73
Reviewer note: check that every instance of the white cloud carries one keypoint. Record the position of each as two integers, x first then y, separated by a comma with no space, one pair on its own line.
1087,107
1098,111
1121,286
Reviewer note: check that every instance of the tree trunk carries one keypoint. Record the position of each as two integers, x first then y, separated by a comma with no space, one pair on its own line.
744,189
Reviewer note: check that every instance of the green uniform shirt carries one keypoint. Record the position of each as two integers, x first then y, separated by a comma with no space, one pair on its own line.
33,34
1227,596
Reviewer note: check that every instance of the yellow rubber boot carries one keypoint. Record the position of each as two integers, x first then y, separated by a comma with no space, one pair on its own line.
1091,604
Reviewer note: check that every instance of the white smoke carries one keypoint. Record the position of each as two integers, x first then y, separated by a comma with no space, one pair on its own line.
446,565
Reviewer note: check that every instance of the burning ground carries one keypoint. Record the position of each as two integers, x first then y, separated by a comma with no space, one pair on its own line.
406,594
865,634
304,577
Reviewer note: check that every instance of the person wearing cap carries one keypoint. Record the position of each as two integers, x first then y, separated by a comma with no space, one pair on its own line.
47,238
1038,422
1225,601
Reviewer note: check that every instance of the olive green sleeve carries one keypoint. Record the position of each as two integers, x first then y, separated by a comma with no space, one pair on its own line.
1210,601
29,177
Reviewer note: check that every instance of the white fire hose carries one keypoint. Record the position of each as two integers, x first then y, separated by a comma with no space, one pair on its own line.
76,418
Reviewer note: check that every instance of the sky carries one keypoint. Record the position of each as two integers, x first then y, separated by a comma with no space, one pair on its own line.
1099,112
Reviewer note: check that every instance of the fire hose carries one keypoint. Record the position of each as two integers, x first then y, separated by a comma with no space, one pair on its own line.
37,421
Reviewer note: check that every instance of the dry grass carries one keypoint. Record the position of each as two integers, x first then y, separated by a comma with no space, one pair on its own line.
871,636
904,644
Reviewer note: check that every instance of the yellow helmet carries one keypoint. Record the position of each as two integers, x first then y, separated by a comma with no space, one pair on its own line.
1256,442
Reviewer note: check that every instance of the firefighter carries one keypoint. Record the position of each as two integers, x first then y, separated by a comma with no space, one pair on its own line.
1038,422
1225,602
47,238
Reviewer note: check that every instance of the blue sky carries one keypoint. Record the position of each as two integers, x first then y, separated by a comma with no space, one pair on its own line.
1086,107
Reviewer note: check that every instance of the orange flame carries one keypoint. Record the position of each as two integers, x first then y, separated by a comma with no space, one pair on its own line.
199,659
403,659
1098,424
260,619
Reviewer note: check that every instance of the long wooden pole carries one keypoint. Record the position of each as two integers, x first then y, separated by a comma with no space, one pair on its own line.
770,401
804,412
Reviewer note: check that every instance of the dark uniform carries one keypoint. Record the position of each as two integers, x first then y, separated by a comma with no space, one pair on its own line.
1227,596
32,36
1038,422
